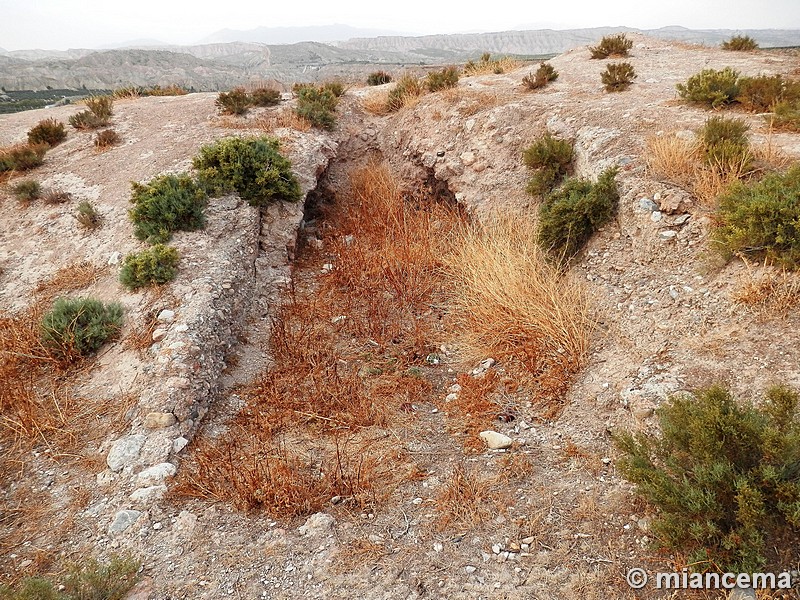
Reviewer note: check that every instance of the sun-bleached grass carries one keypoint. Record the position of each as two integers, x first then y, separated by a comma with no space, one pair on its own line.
491,66
467,498
510,302
267,122
768,292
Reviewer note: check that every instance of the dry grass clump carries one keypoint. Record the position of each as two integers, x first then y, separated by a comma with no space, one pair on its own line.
376,103
491,66
769,292
314,425
475,408
267,122
512,303
468,498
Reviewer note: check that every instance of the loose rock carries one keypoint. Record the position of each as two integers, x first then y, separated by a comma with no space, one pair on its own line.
124,452
122,520
159,420
317,525
496,441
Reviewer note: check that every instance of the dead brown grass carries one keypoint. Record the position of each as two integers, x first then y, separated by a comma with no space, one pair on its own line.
769,292
376,103
267,122
511,303
468,498
315,424
504,64
475,409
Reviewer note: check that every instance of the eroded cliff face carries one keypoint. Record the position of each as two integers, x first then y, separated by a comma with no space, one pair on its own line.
666,321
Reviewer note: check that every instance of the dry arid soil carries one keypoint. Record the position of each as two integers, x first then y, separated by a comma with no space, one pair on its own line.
441,516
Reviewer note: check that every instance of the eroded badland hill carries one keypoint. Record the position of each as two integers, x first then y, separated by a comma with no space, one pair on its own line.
297,413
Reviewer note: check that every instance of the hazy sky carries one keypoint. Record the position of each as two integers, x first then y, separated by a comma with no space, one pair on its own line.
61,24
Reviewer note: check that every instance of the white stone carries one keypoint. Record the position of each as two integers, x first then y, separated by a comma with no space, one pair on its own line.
122,520
317,524
115,258
149,494
496,441
124,452
156,474
159,334
179,444
166,316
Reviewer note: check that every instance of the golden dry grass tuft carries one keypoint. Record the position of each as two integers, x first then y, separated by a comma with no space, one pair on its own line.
376,103
468,498
490,66
769,292
267,122
511,303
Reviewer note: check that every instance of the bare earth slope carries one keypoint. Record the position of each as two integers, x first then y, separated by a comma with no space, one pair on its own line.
570,527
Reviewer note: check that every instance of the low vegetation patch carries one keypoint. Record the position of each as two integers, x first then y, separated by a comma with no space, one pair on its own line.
570,215
711,87
551,159
740,43
98,113
761,93
723,476
155,90
379,78
488,65
726,148
87,215
543,75
786,115
252,167
22,157
107,138
618,76
27,190
406,92
47,131
318,104
87,581
165,204
76,328
54,196
234,102
612,46
265,97
442,80
155,266
761,220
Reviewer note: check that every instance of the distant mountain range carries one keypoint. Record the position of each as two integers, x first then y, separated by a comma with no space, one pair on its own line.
293,35
222,65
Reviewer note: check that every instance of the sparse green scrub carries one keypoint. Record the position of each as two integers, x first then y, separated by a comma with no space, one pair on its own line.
165,204
235,102
711,87
786,115
78,327
761,220
252,167
740,43
570,215
89,581
22,157
98,113
265,97
612,46
723,475
47,131
379,78
27,190
155,266
442,80
759,94
56,196
725,145
318,105
404,91
543,75
107,138
618,76
551,159
87,215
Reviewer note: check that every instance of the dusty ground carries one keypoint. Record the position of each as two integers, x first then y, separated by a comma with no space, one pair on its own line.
667,322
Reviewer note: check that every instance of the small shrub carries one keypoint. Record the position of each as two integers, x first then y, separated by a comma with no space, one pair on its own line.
27,190
618,76
154,266
265,97
86,119
759,94
107,138
612,45
544,75
253,167
725,145
762,219
56,196
740,43
551,158
723,475
406,90
711,87
487,64
170,90
100,106
442,80
334,87
235,102
78,327
22,157
379,78
87,215
786,115
165,204
318,105
47,131
570,215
